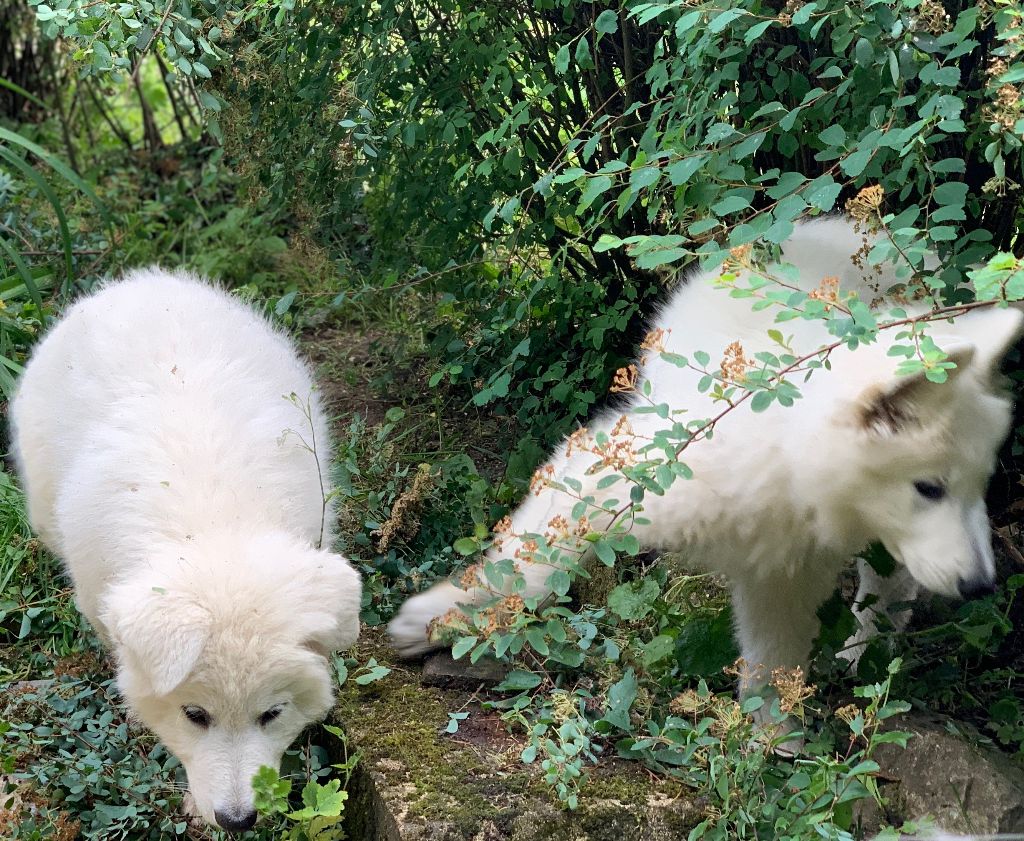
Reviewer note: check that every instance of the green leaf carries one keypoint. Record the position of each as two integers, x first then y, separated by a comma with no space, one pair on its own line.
761,400
596,185
952,192
854,164
644,177
757,30
683,169
463,646
730,204
834,135
466,546
371,673
621,696
607,22
822,192
582,53
723,19
270,792
321,801
519,681
559,582
657,650
562,59
4,83
605,553
58,166
803,13
536,636
632,601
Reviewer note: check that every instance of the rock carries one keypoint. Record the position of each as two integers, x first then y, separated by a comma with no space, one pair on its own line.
444,671
417,782
956,781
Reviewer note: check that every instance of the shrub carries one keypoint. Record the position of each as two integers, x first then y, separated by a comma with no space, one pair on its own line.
543,168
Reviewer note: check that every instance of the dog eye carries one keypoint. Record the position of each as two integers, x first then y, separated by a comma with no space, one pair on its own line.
198,716
270,715
930,490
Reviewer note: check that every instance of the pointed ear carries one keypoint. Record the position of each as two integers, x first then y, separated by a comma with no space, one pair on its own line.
993,331
905,402
162,632
332,593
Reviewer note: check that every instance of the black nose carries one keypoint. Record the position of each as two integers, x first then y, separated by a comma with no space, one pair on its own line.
235,820
972,588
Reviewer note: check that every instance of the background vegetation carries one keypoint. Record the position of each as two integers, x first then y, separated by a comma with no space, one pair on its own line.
464,211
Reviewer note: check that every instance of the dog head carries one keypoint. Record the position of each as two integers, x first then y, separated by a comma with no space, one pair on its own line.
223,651
926,452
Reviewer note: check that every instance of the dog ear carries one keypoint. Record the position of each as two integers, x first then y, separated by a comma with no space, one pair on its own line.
162,631
993,331
332,596
908,401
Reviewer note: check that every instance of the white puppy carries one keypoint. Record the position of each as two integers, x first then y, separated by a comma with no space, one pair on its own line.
174,455
780,500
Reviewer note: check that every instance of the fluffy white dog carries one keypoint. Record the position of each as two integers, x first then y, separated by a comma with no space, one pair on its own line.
174,455
779,501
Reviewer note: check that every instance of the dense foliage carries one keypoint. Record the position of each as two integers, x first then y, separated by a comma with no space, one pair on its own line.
504,190
516,155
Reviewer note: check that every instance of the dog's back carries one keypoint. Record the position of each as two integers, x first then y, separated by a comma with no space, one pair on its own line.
159,405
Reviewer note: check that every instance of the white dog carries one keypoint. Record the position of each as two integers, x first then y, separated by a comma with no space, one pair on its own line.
166,434
780,500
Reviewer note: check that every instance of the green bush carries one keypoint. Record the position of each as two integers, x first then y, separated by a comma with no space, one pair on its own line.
541,170
543,167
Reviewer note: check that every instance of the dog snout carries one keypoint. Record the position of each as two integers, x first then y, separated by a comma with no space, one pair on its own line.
976,586
236,819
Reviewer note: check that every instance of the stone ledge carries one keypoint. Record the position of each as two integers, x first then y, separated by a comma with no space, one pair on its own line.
416,782
955,780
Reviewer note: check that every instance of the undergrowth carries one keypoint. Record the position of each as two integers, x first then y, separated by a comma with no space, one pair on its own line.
501,193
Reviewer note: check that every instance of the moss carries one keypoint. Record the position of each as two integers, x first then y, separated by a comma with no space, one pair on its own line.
397,727
417,781
630,783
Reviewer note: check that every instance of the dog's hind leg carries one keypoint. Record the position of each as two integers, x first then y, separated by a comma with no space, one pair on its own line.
880,599
569,501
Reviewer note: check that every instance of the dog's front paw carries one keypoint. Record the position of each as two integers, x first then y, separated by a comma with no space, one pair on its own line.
852,651
410,629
